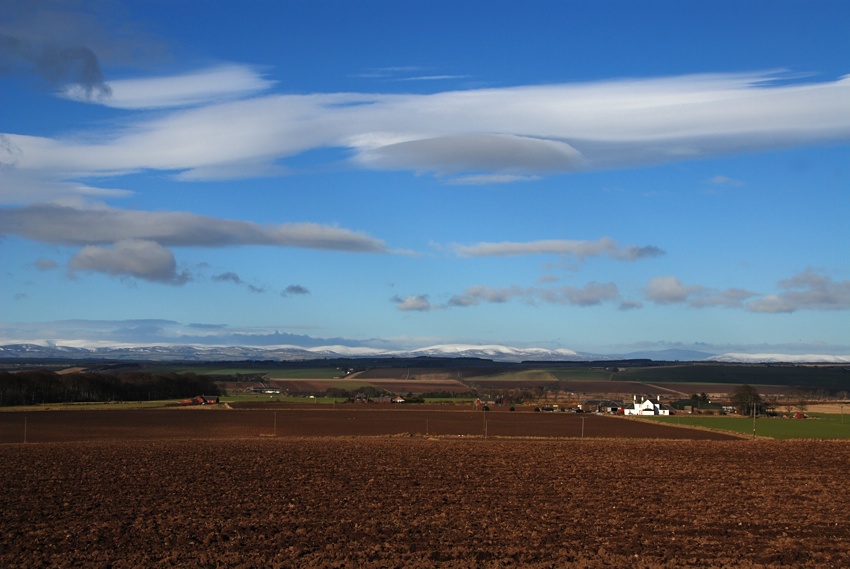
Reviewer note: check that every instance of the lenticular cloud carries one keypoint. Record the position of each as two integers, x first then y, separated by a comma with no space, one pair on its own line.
486,134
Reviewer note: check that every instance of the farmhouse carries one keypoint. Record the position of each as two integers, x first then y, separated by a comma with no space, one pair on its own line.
645,407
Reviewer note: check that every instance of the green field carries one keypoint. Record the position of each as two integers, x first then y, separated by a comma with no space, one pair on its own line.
818,426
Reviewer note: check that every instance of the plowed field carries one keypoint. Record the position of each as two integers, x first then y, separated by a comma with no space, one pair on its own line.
263,419
144,499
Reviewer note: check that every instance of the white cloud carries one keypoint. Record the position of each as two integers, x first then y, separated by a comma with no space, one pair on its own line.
433,78
191,89
228,277
482,293
630,305
474,153
807,290
729,298
231,277
416,303
136,258
45,264
725,181
590,294
604,246
670,290
22,188
140,238
74,226
486,179
294,289
510,132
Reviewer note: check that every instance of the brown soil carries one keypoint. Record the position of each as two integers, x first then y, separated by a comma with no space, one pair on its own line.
267,418
137,496
353,382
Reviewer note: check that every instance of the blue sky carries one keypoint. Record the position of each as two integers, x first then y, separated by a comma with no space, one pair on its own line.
598,176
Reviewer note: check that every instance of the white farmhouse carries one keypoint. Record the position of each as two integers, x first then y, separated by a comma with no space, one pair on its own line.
645,407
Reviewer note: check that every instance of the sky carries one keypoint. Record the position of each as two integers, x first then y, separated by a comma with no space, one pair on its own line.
603,176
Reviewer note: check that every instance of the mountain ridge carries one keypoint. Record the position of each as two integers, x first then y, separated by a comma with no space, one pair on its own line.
494,352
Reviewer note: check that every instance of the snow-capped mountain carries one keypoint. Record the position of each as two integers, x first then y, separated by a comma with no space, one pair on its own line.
494,352
779,358
280,353
497,352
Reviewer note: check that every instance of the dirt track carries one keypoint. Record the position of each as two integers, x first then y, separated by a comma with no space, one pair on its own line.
129,496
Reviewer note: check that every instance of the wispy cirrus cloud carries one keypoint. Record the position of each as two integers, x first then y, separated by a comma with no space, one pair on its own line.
215,84
720,180
501,134
605,246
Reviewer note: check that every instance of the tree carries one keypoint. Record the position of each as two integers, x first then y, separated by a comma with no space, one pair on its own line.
797,399
746,399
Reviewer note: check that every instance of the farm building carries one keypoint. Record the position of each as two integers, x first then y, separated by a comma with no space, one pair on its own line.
201,400
600,406
264,390
693,406
645,407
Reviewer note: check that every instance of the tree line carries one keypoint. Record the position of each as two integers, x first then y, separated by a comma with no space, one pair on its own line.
44,386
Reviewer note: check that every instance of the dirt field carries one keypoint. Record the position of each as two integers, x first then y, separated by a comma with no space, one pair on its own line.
266,419
145,492
353,382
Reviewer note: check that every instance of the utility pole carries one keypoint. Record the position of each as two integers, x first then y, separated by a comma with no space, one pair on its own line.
754,416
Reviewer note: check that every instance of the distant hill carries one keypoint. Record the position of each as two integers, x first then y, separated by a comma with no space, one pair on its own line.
780,358
671,355
491,352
